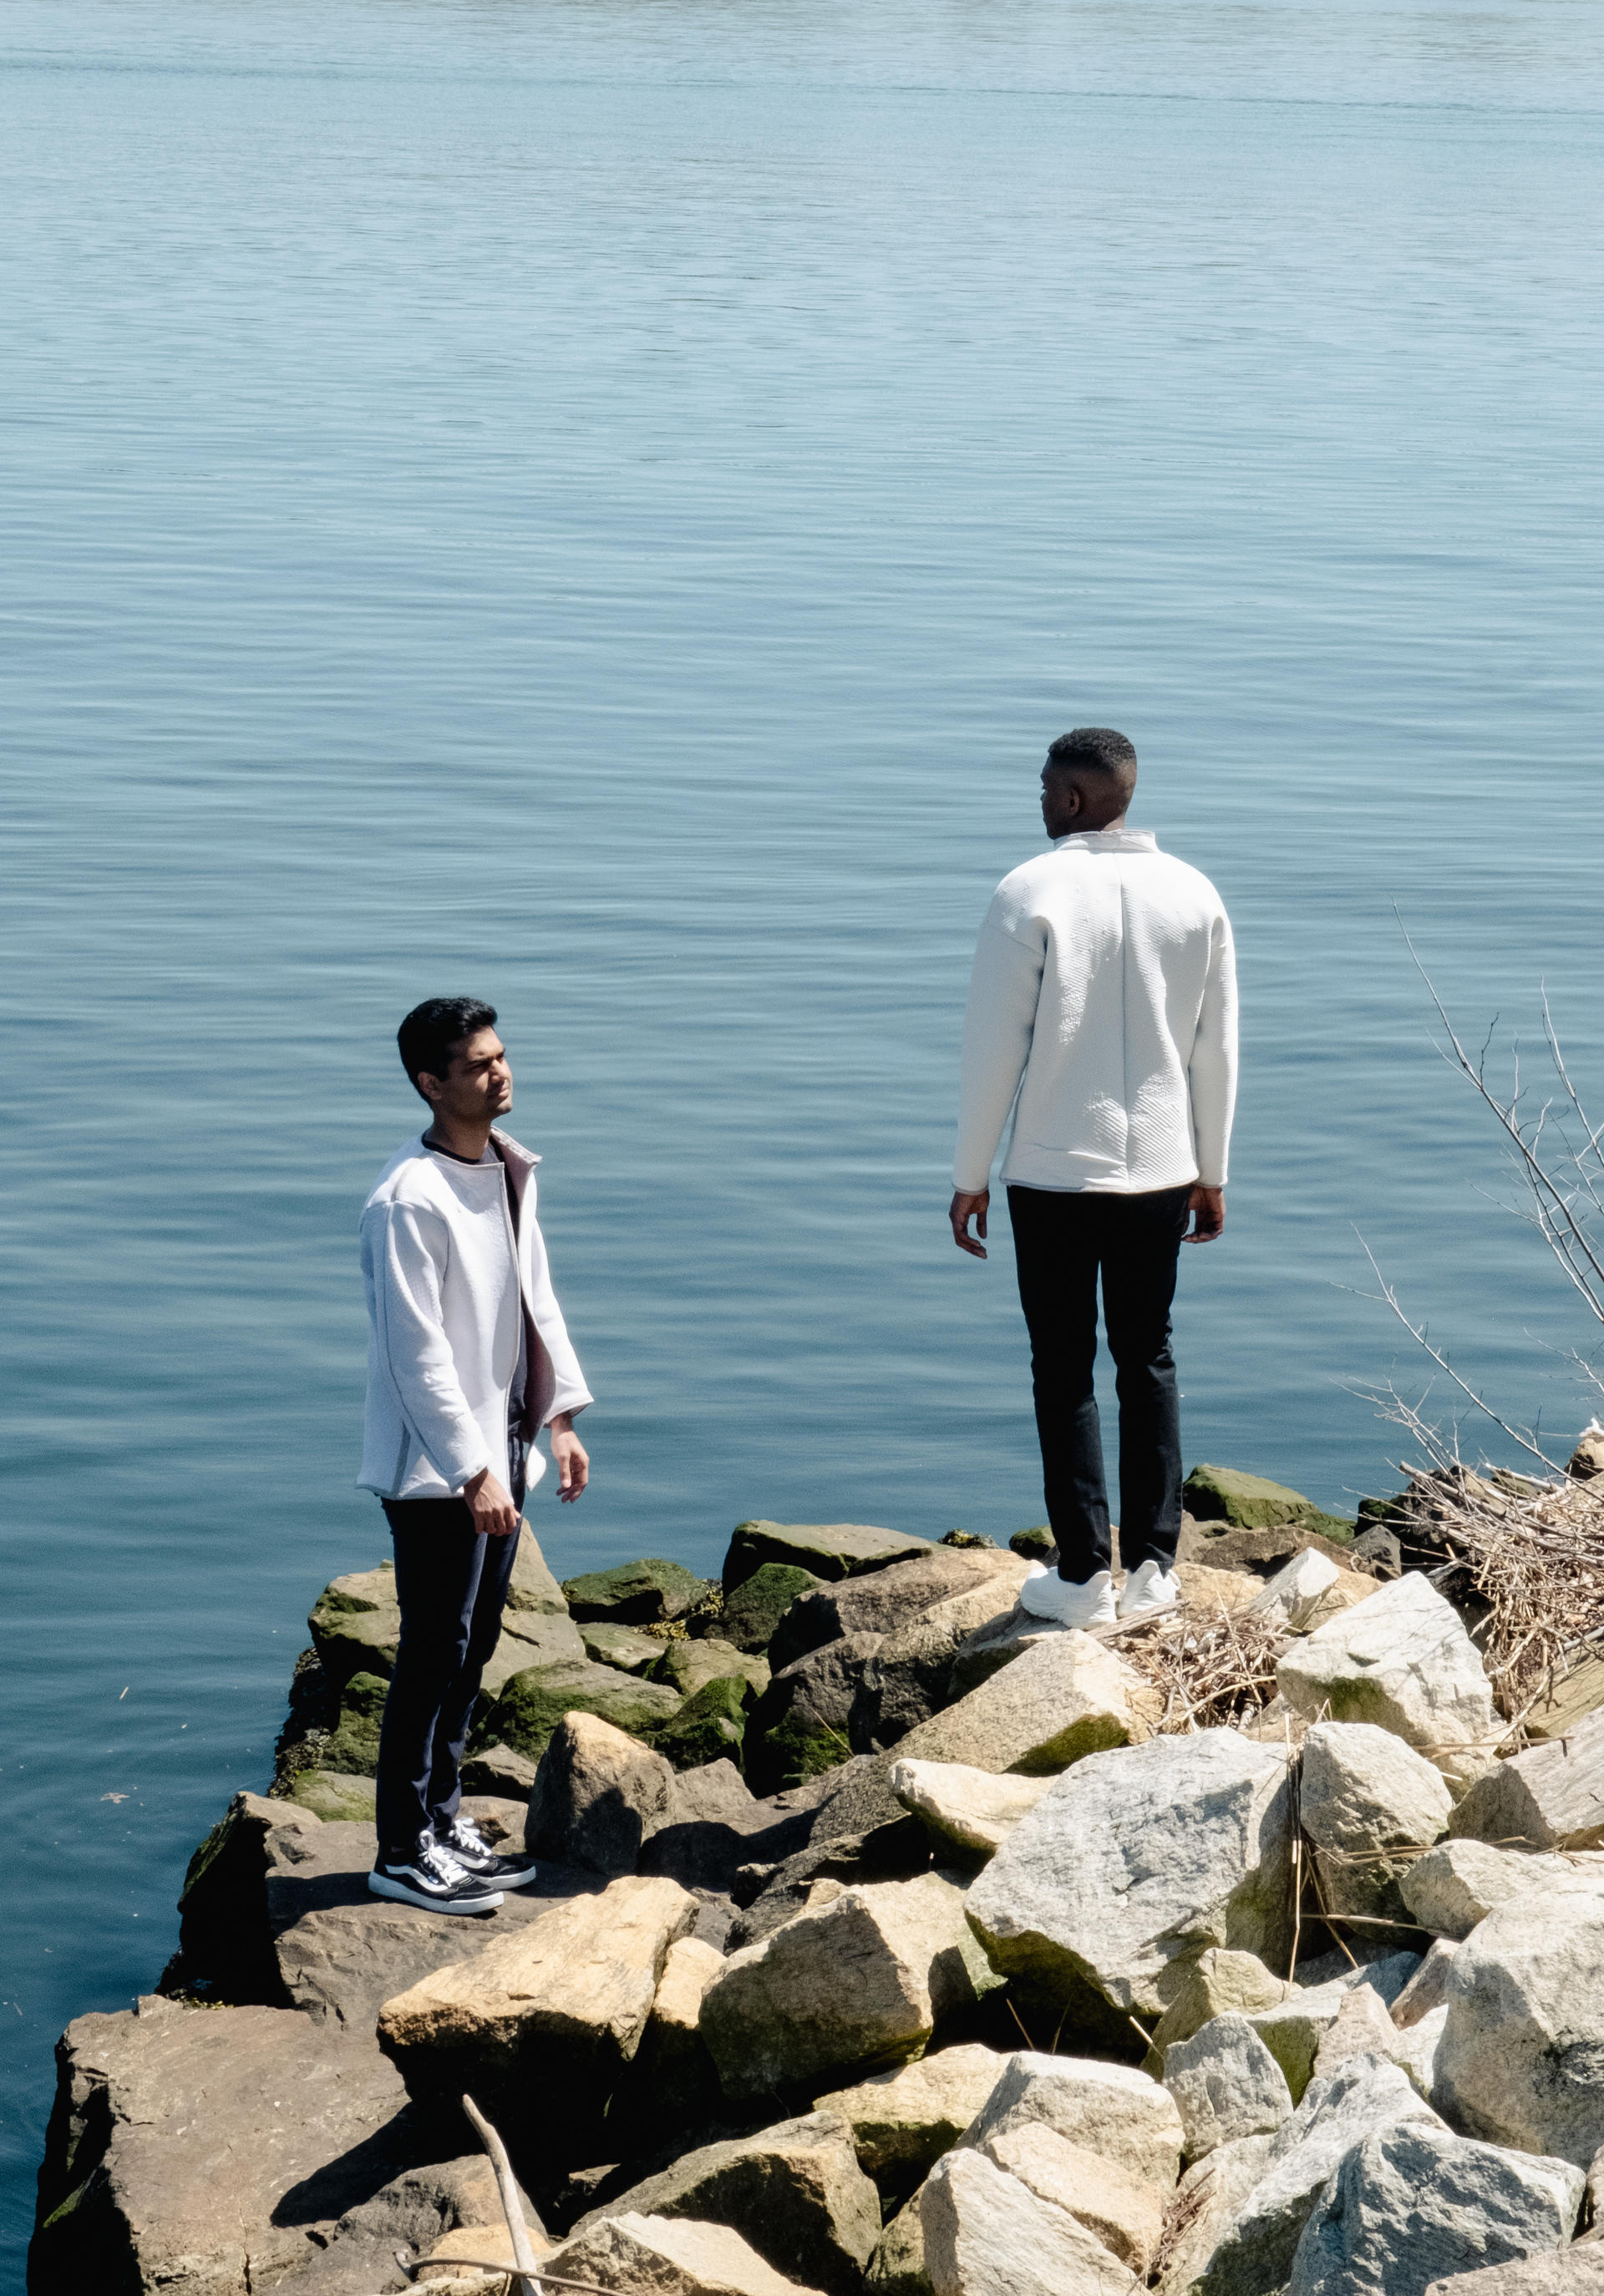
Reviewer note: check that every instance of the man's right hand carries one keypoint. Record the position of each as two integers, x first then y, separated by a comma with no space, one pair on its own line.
961,1211
490,1504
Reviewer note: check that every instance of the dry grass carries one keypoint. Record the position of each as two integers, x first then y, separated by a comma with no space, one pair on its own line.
1210,1667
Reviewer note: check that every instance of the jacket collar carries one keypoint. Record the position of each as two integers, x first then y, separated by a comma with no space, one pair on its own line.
1107,840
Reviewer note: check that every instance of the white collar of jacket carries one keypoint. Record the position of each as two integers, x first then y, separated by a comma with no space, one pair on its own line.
1107,840
510,1151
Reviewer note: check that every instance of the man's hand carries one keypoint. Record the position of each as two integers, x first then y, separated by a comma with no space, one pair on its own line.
961,1211
1208,1208
490,1504
573,1461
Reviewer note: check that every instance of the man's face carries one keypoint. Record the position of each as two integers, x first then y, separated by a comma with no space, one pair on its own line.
1060,801
478,1083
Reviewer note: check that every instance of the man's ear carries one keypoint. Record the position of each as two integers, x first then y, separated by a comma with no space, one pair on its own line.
430,1087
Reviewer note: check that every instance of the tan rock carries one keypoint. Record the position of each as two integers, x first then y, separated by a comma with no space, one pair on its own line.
676,2072
987,2233
1550,1798
1108,2108
859,1980
973,1810
1360,2028
1204,1588
1219,1983
903,2121
1126,2215
597,1795
1065,1697
667,2256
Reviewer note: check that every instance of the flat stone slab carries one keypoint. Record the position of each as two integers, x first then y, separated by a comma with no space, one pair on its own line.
829,1550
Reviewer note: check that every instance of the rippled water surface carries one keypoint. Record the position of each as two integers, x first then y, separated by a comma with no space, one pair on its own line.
600,503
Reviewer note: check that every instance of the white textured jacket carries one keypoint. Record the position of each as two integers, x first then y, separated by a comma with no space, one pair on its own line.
1105,997
451,1295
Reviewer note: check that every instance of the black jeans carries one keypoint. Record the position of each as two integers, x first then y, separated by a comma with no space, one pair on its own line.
1060,1242
451,1581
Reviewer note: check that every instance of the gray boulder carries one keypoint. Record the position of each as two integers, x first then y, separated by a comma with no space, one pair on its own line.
1226,2085
625,1647
969,1810
754,1609
911,1675
1412,2205
1575,2271
689,1666
1364,1796
1065,1697
531,1704
987,2233
829,1550
798,1726
1551,1797
1219,1983
883,1601
1125,2214
1402,1661
1203,2207
1457,1884
598,1794
903,2121
670,2256
635,1593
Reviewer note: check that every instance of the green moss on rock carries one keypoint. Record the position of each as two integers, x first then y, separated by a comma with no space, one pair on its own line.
710,1726
354,1747
532,1703
635,1593
758,1604
1254,1502
339,1795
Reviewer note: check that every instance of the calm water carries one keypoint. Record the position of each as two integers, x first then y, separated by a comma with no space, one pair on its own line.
602,503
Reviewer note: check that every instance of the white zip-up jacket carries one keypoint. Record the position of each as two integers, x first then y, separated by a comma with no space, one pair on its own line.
1104,996
455,1300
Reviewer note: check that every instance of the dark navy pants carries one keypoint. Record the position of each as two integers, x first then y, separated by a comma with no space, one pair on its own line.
1062,1243
451,1581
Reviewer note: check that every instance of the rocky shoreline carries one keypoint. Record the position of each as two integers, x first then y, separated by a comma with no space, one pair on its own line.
885,1940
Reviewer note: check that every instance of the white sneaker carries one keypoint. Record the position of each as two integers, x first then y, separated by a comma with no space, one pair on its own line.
1148,1589
1045,1595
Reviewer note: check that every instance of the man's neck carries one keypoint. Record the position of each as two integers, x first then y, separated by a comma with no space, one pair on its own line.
467,1141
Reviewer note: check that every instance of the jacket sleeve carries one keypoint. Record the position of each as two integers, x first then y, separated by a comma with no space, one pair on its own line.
1004,990
408,1247
1212,1074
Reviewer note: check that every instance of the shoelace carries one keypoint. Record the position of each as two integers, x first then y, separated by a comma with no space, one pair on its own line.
466,1835
436,1859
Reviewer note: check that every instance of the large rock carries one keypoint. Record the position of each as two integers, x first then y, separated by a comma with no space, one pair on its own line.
223,1930
1364,1797
795,2192
532,1703
676,2081
883,1601
1551,1797
897,2267
211,2150
1065,1697
799,1725
1203,2209
1139,1860
353,1745
1360,2028
543,2023
895,1852
1575,2271
1412,2205
688,1666
1108,2108
1402,1661
1521,2060
635,1593
1226,2085
499,1770
1219,1983
1116,2207
336,1794
1310,1589
1254,2256
716,1825
598,1794
1251,1502
972,1811
910,1677
711,1727
987,2233
829,1550
753,1609
862,1982
668,2256
628,1648
1458,1884
903,2121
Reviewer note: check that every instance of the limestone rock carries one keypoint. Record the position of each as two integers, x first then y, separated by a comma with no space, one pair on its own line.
548,2017
972,1810
356,1625
1364,1796
1457,1884
903,2121
829,1550
1203,2209
1108,2108
1064,1698
676,2085
897,2267
1521,2061
1253,2255
1217,1984
864,1981
798,1727
1139,1859
912,1677
754,1609
1402,1661
607,1644
1251,1502
1427,1989
1360,2028
335,1794
1587,1460
1293,1593
1121,2212
1551,1797
499,1770
532,1703
1226,2085
986,2234
1575,2271
635,1593
1412,2205
687,1667
598,1794
668,2256
885,1601
795,2192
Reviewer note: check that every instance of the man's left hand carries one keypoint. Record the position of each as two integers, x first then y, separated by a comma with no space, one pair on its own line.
573,1461
1208,1208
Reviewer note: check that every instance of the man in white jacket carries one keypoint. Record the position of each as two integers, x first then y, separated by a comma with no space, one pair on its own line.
1103,1012
468,1358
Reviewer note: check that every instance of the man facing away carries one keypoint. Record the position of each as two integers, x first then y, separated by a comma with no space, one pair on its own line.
1104,1004
468,1358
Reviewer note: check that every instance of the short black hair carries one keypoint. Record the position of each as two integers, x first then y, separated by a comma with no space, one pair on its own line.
1094,749
433,1029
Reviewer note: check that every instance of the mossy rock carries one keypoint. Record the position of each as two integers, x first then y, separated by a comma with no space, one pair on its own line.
758,1604
1252,1502
354,1747
635,1593
532,1703
829,1550
337,1794
356,1624
794,1749
688,1666
1036,1544
624,1647
710,1726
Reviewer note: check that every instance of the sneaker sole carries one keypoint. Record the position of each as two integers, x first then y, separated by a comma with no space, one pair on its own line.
405,1894
521,1880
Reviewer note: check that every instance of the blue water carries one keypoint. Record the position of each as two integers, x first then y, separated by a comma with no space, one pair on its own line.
601,506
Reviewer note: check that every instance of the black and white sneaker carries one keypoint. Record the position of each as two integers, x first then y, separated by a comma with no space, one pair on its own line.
463,1841
433,1878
